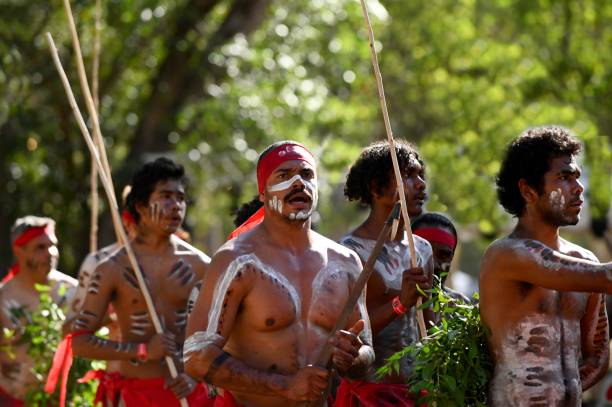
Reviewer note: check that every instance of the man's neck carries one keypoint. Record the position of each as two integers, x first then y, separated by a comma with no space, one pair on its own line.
292,235
152,241
534,227
372,226
28,279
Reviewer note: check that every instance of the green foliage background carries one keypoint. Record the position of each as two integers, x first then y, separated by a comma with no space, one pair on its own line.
212,82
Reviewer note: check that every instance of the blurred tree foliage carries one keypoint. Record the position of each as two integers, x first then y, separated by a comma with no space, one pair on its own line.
212,82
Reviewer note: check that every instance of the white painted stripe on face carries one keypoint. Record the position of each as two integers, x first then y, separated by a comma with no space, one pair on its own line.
281,186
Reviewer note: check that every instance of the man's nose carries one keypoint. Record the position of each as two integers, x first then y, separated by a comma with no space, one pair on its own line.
420,184
579,189
298,183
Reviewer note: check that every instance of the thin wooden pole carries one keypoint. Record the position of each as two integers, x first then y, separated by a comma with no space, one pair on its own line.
396,169
110,194
95,204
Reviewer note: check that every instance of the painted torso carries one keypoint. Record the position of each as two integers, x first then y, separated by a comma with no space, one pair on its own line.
390,265
535,339
289,310
16,377
170,279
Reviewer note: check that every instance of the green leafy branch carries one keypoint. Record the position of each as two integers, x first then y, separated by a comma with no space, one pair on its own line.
451,366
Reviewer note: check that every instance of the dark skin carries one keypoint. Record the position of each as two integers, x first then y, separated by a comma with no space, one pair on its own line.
37,260
285,286
538,286
171,270
380,297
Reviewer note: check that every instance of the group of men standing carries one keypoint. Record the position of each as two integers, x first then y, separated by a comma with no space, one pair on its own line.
246,327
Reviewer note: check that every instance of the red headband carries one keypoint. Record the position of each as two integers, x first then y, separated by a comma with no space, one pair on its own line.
285,152
33,233
437,235
127,217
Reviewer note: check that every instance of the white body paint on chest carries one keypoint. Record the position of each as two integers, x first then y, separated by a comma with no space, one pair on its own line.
529,367
200,340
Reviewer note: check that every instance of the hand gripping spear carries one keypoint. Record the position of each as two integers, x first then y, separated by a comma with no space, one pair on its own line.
324,357
396,169
108,188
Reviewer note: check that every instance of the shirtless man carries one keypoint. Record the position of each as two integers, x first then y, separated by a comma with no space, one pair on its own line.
172,269
35,250
549,331
272,296
391,293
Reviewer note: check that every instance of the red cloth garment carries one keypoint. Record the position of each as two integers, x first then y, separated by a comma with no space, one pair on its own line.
225,400
127,217
62,361
141,392
6,400
437,235
11,273
249,224
361,393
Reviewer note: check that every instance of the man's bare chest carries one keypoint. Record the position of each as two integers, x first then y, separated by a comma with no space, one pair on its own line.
280,298
569,306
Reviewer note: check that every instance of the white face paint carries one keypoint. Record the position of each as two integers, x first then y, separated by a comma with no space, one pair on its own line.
281,186
556,200
309,185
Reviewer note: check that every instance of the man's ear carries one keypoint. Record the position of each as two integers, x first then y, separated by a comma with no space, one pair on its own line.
18,252
529,194
142,209
374,190
262,198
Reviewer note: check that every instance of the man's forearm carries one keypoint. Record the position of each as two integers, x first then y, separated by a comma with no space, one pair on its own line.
90,346
232,374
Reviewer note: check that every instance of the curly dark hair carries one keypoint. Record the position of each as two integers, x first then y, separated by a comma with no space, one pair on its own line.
434,219
529,157
144,181
247,209
374,167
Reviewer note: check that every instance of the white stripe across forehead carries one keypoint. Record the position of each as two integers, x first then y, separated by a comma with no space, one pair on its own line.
281,186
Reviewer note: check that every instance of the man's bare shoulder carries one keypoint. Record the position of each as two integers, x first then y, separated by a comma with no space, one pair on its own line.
339,251
572,249
57,277
185,249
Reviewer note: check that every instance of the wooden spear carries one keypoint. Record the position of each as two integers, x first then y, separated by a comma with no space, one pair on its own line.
110,194
95,205
89,101
396,169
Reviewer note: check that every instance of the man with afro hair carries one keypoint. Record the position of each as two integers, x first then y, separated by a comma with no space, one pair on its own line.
539,293
391,292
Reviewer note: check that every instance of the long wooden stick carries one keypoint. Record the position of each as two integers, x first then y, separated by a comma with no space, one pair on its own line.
110,194
324,357
396,169
89,101
95,205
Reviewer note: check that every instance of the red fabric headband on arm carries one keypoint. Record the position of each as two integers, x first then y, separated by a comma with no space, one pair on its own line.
33,233
282,153
437,235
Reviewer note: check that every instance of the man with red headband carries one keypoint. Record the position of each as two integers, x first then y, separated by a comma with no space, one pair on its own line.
392,292
36,255
272,296
441,234
172,269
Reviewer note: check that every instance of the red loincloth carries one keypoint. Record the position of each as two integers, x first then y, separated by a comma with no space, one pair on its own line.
141,392
366,394
6,400
225,400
